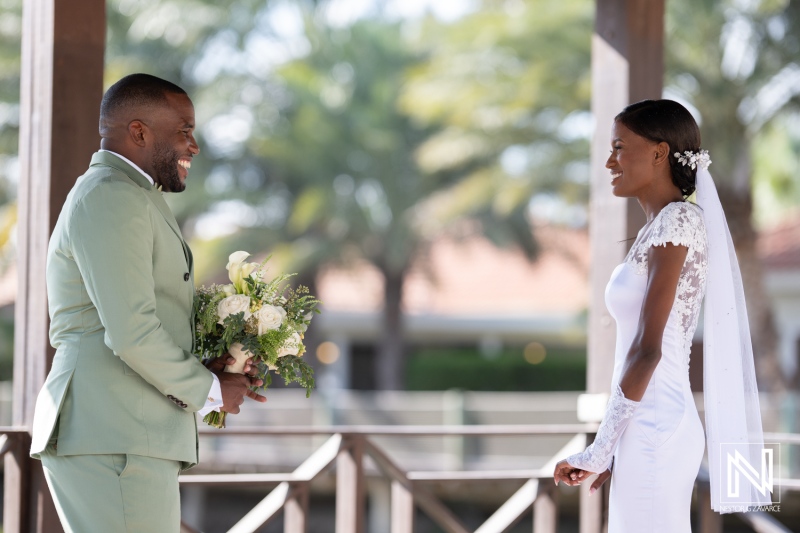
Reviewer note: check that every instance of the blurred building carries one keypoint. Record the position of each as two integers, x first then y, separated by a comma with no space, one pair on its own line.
468,292
464,292
779,248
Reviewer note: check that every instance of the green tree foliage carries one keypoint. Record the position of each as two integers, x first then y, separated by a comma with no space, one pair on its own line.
510,87
742,82
345,157
10,34
315,156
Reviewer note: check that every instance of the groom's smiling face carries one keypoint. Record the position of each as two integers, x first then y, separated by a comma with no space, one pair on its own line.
174,144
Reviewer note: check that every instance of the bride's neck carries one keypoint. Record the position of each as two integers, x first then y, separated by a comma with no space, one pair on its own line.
653,201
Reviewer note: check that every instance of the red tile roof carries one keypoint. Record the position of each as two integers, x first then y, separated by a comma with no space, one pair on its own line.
779,246
472,276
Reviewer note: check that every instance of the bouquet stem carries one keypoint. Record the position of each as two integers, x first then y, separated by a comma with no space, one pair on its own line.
215,419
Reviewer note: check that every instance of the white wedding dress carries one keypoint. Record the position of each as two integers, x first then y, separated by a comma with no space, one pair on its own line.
659,453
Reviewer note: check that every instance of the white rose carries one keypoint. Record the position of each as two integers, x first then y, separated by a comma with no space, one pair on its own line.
236,258
229,289
269,317
291,346
234,304
241,355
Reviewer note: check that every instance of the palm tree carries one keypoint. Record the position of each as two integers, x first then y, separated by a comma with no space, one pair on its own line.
370,146
510,87
346,158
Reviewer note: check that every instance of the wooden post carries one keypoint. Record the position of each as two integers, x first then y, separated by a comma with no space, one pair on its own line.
591,510
350,486
295,510
627,66
402,508
710,521
63,45
545,509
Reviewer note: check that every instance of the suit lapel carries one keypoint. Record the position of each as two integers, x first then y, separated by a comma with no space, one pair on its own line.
111,160
158,199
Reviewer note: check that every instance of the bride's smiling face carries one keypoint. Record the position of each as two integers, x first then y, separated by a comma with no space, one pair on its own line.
631,162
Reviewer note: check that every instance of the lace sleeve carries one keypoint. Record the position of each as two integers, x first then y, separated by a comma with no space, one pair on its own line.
598,455
677,224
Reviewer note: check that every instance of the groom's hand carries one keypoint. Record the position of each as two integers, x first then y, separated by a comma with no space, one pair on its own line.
235,386
234,389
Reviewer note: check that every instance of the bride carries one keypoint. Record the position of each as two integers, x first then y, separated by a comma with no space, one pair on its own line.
651,433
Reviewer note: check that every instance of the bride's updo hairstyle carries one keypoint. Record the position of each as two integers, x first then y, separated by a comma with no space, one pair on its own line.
669,122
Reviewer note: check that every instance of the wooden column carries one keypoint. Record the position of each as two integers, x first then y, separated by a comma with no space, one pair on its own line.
402,514
545,509
63,44
350,486
627,66
295,510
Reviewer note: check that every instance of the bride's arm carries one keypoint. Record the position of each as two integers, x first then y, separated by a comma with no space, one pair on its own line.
664,269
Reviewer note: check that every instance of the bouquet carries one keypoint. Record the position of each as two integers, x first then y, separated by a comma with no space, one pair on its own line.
251,317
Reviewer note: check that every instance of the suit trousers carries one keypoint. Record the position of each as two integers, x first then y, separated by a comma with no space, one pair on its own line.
115,493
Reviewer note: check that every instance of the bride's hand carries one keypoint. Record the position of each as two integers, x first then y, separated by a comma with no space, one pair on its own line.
602,478
568,474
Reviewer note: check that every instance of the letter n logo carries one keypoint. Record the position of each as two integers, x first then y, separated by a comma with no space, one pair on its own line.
739,466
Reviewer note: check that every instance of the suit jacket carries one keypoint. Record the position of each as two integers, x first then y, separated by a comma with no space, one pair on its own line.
121,288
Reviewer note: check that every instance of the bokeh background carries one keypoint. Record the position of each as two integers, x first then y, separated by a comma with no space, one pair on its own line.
424,167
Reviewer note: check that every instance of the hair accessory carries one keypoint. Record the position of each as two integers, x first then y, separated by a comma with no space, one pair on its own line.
699,159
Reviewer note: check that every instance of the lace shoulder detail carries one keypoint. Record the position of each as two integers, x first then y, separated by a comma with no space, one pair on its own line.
682,224
679,223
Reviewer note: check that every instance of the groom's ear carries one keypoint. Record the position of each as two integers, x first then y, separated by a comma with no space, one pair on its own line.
661,154
136,131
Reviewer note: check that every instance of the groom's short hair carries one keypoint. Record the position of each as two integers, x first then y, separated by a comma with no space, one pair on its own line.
136,90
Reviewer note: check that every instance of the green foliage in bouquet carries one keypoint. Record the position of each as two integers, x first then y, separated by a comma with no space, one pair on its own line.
254,318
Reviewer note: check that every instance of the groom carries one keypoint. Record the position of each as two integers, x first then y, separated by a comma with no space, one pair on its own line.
115,421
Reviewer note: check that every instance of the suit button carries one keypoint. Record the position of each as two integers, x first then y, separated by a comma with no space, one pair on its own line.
186,277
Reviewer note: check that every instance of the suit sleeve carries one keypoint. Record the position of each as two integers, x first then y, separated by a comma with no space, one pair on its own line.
111,235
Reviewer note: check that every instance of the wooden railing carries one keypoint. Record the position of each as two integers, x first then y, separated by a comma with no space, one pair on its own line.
347,447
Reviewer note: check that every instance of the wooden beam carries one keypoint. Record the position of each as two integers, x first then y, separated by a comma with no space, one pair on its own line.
295,519
512,510
494,430
627,66
545,509
265,511
350,486
422,498
709,521
402,516
63,45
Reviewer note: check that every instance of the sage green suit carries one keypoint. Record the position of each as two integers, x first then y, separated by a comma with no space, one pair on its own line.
120,288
